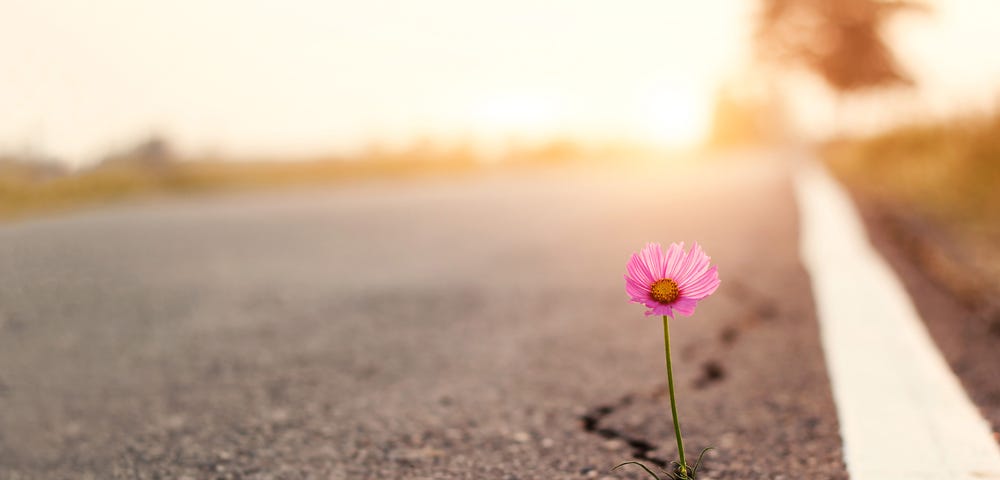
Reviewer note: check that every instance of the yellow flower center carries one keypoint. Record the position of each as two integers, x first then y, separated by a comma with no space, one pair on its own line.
664,291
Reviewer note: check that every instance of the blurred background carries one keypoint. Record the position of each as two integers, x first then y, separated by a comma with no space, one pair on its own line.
114,100
89,83
118,99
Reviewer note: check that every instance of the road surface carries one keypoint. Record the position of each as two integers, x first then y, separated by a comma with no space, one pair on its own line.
448,328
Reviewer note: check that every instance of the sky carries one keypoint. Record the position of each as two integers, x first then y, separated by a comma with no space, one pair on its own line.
269,77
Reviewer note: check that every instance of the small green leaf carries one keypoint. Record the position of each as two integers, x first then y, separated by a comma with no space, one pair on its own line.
698,463
650,472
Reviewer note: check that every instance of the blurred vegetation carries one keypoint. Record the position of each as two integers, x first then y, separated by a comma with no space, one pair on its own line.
950,171
933,189
32,184
747,114
936,191
27,187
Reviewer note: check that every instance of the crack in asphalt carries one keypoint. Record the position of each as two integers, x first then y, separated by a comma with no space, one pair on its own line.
711,372
641,448
760,309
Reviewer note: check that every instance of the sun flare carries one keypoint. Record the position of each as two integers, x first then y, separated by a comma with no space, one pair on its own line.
517,114
675,117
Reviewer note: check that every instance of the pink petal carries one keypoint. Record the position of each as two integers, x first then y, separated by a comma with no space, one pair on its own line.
674,256
685,306
652,257
639,271
635,289
703,286
701,264
697,264
644,299
659,309
684,266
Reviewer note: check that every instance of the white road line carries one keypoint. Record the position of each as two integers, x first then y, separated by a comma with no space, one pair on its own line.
903,414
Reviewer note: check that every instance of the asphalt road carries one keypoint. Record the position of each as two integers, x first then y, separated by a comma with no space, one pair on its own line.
449,328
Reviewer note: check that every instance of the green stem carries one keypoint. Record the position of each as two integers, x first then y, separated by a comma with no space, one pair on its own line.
673,401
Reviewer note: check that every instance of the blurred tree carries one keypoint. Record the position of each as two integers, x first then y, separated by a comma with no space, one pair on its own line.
30,167
153,152
839,40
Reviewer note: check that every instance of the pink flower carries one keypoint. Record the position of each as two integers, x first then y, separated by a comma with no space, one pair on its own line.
670,282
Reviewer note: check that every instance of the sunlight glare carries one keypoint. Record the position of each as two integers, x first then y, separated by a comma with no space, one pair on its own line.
675,117
517,114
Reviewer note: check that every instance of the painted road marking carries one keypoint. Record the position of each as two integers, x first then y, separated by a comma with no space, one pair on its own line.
903,413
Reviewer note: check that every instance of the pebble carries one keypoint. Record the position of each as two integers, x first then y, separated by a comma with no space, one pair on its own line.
279,415
173,422
614,444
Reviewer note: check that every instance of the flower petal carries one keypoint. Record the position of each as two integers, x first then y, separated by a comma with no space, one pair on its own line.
635,289
674,256
685,265
685,306
696,266
660,309
703,286
639,271
651,256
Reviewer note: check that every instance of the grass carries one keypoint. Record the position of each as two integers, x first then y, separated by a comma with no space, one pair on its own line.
948,171
947,174
28,189
22,195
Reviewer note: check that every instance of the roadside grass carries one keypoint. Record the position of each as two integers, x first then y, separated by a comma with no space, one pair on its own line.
945,175
28,189
22,195
948,171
